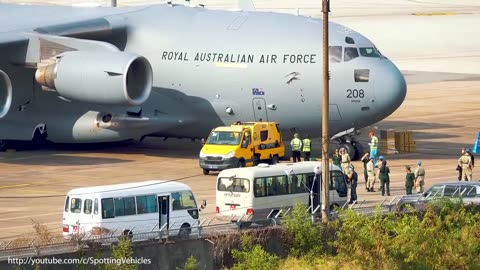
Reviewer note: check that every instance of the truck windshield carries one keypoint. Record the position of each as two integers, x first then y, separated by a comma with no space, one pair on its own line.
224,138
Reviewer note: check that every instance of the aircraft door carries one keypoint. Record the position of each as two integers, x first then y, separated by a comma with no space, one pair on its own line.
260,110
163,211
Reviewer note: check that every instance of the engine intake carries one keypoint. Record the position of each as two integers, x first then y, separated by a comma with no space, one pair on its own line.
108,78
5,94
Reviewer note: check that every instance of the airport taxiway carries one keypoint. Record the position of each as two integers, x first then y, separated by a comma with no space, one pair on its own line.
33,184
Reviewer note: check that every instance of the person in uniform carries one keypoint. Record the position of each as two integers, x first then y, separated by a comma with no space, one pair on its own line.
365,160
465,162
377,167
384,178
409,180
373,146
345,160
353,180
419,177
472,157
307,146
371,175
336,159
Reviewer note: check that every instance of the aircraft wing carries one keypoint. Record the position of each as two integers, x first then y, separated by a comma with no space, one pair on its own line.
81,62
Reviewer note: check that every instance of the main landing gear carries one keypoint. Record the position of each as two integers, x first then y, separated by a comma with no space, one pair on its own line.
346,139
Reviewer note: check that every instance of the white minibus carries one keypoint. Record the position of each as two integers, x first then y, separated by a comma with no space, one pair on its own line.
128,209
249,194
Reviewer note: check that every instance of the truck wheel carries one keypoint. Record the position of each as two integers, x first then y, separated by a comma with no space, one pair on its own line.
274,159
206,171
241,164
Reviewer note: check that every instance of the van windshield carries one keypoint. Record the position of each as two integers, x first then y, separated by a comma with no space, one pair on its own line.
224,138
233,184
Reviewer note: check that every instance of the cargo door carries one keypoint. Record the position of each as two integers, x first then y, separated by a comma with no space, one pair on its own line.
260,110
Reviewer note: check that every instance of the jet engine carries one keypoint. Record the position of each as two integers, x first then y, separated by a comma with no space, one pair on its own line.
5,94
107,78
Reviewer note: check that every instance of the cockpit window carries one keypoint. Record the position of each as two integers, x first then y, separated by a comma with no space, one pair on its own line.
350,53
370,52
335,54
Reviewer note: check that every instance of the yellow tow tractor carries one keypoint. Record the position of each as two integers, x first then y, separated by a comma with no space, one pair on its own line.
240,145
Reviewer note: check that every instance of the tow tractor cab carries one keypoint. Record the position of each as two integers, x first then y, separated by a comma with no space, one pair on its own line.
240,145
251,194
131,208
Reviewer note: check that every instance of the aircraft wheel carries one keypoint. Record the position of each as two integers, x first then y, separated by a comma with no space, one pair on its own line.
350,149
359,152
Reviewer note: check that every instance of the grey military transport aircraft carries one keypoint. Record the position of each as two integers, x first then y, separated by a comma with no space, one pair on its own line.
85,75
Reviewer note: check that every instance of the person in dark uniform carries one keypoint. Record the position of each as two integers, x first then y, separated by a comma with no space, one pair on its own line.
365,160
336,159
384,178
353,180
409,180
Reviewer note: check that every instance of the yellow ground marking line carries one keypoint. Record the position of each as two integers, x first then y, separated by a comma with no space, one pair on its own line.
16,185
435,14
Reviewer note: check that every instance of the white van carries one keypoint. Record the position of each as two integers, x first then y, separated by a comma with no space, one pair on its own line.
130,208
252,193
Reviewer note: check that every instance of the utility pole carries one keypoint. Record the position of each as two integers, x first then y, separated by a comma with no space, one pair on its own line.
325,110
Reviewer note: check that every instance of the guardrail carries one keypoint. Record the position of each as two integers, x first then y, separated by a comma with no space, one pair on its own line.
39,246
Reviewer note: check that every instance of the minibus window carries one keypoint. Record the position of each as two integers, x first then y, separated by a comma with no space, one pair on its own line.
125,206
146,204
107,208
233,184
75,205
259,187
66,203
87,207
95,207
183,200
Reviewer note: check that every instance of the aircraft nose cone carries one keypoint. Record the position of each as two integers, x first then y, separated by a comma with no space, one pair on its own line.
390,88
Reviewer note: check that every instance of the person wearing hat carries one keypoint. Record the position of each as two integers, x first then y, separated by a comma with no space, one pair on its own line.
465,162
472,157
419,177
409,180
345,160
365,160
352,177
371,175
384,178
296,144
378,165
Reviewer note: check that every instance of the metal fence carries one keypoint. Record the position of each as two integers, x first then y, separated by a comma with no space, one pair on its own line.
41,245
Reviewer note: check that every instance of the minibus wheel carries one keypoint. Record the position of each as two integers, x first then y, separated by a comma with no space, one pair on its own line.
274,159
185,231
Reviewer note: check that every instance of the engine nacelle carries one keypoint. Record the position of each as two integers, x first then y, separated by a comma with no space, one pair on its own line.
5,94
108,78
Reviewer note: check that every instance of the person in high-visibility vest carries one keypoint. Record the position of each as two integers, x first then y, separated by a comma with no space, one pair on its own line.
296,144
307,146
373,146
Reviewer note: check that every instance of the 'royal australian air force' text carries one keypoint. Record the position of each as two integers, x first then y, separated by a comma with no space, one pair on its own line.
240,58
